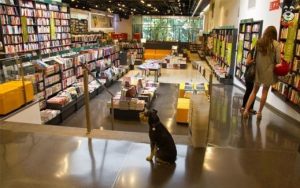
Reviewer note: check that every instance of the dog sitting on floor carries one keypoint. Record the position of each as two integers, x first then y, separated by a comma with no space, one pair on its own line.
162,144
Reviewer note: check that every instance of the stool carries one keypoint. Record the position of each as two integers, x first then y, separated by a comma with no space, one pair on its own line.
183,107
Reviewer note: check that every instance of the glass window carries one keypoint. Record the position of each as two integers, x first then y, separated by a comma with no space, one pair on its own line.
166,28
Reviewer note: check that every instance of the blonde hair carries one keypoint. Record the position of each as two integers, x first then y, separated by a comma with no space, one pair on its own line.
265,44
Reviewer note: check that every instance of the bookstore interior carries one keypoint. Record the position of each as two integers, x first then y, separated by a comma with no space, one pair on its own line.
46,46
103,64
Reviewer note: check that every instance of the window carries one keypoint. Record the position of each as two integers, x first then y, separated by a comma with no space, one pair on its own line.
166,28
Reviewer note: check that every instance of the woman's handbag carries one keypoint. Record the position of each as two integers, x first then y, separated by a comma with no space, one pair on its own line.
282,69
251,69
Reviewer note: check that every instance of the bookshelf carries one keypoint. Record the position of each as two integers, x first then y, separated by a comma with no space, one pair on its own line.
134,48
223,49
194,48
34,27
79,26
288,87
86,39
249,32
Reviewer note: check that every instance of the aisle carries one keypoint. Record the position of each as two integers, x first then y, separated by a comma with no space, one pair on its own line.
165,103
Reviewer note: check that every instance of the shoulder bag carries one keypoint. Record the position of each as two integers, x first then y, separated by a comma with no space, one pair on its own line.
282,68
251,69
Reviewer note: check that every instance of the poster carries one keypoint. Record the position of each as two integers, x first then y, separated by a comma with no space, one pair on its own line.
52,27
223,49
290,41
24,29
240,52
100,21
228,55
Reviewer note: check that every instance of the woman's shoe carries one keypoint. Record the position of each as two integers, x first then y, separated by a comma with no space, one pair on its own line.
259,115
252,111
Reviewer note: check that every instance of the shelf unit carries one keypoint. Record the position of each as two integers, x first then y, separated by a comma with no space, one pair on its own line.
34,27
134,48
249,32
223,53
79,26
55,75
194,48
288,87
86,39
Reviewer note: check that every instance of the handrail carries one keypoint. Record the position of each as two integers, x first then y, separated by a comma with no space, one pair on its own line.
87,71
90,73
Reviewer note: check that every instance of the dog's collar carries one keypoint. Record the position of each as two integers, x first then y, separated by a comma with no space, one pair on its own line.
155,124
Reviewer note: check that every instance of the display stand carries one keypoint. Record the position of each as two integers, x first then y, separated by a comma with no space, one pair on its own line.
223,53
249,32
288,87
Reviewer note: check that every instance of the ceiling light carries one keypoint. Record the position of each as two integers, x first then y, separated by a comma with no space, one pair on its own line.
149,5
73,0
199,2
142,1
123,5
206,8
96,6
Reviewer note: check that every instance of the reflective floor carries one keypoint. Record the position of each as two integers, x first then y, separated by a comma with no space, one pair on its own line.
241,153
228,129
41,160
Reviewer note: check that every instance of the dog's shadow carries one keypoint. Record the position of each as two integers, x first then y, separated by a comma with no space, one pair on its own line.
160,174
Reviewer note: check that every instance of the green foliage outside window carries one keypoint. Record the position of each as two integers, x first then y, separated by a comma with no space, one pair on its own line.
165,28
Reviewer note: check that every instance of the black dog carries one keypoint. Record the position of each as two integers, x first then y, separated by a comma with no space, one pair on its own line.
161,141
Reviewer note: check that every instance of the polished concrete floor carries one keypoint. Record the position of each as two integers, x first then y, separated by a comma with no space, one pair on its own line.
227,128
43,160
240,153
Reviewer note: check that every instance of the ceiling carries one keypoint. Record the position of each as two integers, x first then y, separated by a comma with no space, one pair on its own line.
141,7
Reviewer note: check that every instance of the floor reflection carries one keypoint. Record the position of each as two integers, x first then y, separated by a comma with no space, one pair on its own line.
229,129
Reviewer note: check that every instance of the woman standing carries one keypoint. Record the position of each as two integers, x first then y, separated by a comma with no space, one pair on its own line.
249,80
268,54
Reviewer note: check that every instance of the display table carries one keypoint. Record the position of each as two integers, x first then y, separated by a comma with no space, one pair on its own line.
187,89
183,108
151,65
174,62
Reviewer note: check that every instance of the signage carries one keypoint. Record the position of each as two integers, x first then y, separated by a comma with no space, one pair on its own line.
24,29
290,41
274,5
52,27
